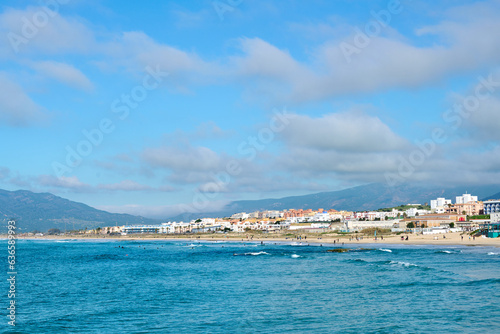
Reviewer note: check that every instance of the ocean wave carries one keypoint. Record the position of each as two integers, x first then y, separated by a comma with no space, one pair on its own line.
257,253
403,264
449,251
385,250
485,282
491,253
295,256
298,244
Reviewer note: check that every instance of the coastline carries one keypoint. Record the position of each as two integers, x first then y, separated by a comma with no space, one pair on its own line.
450,239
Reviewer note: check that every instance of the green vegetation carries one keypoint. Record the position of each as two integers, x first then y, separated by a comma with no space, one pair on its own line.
410,225
475,232
452,224
53,231
404,207
479,217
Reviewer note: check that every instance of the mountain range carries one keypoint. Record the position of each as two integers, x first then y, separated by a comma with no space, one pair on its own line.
362,198
42,211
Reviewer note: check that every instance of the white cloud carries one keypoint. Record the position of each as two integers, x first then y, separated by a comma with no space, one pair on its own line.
65,182
125,185
183,158
54,35
387,61
348,131
135,50
16,107
64,73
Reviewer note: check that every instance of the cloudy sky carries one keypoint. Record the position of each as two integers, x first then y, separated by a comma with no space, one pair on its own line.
169,106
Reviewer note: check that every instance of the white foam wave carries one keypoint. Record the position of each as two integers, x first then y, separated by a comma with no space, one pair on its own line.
404,264
385,250
257,253
295,256
299,244
491,253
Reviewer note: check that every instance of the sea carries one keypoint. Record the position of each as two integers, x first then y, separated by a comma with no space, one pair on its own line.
78,286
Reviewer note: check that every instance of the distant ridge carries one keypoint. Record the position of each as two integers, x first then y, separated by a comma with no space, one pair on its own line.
496,196
42,211
361,198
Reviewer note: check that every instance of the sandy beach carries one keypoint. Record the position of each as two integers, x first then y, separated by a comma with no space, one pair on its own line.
447,239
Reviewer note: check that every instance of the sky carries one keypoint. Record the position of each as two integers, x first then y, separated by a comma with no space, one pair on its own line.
163,107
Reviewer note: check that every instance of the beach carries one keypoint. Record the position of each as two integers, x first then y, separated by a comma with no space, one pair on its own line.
452,238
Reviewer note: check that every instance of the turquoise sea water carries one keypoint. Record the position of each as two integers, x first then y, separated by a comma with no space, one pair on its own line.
207,287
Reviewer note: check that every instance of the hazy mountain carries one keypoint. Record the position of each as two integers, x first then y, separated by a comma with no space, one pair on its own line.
495,196
41,211
361,198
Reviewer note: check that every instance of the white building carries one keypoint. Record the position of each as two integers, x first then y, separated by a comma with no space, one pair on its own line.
466,198
272,214
254,214
438,205
175,227
412,212
240,215
321,217
140,229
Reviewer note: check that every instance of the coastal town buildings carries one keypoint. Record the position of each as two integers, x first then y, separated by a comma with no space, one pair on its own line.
491,206
438,205
435,220
465,198
442,216
470,208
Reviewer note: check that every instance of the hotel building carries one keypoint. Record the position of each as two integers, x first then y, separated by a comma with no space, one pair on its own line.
491,206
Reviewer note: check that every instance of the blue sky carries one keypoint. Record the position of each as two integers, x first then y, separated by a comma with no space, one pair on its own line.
188,105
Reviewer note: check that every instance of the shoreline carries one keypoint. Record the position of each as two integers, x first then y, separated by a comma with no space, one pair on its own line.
451,239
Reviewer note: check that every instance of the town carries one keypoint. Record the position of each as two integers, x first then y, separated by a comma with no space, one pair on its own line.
441,216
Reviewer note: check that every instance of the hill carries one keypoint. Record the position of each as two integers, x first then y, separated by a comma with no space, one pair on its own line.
42,211
495,196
